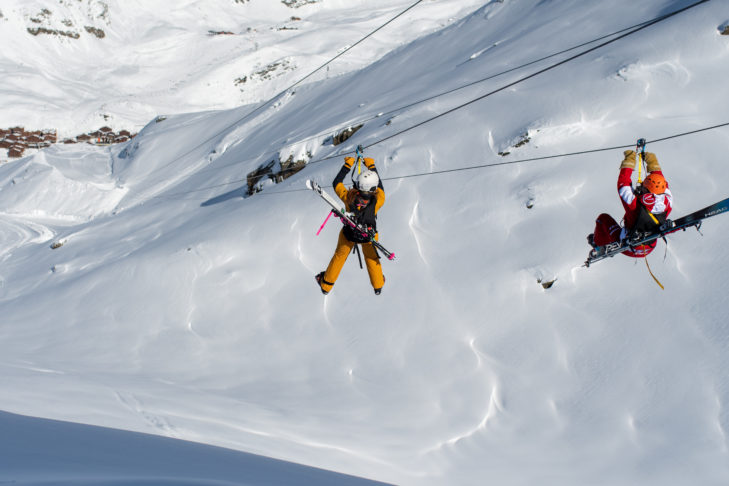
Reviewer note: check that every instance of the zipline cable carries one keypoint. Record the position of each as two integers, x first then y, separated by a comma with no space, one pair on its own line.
457,88
267,102
518,81
472,167
546,157
541,71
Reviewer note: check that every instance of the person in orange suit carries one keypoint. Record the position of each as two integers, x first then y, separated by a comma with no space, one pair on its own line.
362,203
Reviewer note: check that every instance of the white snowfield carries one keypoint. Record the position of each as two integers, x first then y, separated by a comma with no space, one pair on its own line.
144,299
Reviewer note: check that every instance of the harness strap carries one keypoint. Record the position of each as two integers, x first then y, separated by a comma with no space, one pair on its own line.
654,277
359,257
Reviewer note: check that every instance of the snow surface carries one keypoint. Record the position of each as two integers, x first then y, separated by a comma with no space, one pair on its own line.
156,59
176,307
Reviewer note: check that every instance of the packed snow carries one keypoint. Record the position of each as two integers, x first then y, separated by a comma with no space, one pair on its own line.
162,326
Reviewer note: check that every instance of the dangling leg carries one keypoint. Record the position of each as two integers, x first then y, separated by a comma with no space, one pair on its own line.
329,277
606,230
374,268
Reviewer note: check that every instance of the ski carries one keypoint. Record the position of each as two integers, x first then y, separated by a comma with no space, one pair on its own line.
683,223
340,212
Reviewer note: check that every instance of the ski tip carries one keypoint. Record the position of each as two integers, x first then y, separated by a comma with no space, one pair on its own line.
309,184
391,257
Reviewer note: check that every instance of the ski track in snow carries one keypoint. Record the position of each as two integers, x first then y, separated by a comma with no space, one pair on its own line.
157,422
18,232
414,225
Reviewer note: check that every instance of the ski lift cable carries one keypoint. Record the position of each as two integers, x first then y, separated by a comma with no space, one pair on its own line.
630,31
444,93
467,85
520,80
281,93
472,167
541,71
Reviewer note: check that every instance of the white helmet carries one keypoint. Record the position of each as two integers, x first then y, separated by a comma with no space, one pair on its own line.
367,181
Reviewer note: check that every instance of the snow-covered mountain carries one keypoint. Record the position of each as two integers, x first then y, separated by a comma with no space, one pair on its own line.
76,66
140,290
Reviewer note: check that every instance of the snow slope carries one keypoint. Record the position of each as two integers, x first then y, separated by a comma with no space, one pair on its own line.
50,452
177,307
153,58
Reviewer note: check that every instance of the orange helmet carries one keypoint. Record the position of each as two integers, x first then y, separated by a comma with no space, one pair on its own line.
655,183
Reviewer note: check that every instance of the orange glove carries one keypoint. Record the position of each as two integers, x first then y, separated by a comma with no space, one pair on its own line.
369,163
348,162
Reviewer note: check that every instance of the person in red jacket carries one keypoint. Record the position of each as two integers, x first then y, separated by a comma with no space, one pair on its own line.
646,206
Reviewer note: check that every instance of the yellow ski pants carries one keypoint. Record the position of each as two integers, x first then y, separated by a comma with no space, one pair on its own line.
344,248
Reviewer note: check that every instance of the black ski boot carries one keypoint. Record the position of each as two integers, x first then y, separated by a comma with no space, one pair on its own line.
379,291
591,240
319,277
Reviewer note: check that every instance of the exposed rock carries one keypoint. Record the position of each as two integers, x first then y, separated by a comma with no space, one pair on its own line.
298,3
43,30
546,284
275,170
523,140
267,73
97,32
288,168
253,177
345,134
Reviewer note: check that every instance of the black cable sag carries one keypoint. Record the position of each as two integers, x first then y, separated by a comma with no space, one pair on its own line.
542,71
267,102
631,31
474,167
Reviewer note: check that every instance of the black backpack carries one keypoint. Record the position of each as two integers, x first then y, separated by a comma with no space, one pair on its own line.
365,217
647,222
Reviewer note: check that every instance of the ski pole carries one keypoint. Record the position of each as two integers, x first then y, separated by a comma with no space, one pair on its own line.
324,223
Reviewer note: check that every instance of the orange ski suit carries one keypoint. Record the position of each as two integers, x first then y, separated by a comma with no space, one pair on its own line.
344,245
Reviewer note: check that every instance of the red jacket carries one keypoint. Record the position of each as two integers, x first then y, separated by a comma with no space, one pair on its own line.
655,203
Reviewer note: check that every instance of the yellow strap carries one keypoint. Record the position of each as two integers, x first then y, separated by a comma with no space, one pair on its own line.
640,168
654,277
655,220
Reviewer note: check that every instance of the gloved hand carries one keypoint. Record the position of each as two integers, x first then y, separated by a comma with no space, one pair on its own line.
370,163
629,160
651,162
348,162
